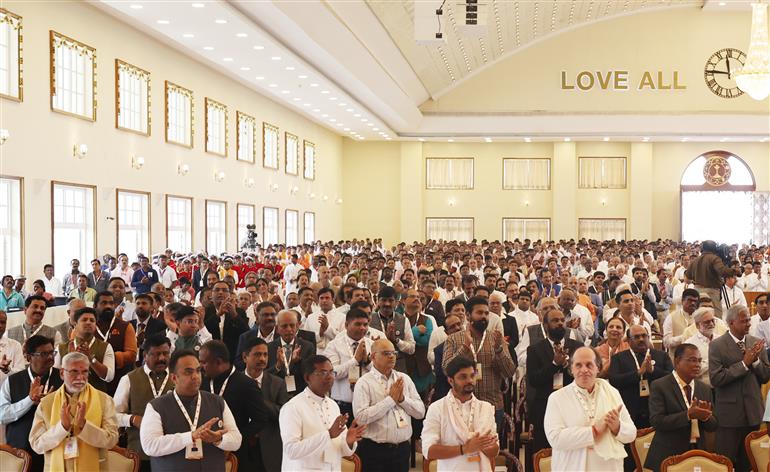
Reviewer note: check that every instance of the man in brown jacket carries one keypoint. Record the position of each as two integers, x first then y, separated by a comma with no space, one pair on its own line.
708,271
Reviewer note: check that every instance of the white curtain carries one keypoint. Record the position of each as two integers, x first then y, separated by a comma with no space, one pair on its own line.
761,221
602,230
526,174
450,229
521,229
602,172
449,173
725,217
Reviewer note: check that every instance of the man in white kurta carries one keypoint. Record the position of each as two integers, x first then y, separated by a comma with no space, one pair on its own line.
586,422
313,431
459,430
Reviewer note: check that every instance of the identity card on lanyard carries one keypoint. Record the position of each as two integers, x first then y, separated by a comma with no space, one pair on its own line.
475,353
193,451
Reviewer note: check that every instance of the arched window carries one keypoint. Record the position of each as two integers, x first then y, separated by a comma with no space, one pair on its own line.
717,199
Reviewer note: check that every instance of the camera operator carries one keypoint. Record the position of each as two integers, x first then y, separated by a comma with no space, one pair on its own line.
708,271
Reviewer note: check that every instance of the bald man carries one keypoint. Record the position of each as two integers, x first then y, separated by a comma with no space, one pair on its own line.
65,328
385,401
287,352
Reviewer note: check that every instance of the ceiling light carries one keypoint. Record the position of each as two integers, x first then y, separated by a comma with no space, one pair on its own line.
136,7
340,104
721,4
343,104
316,110
324,92
388,138
258,47
375,129
241,35
450,140
276,58
289,67
422,140
259,77
364,120
527,140
302,76
220,22
296,99
208,48
357,115
332,98
684,140
332,120
606,139
227,59
273,85
162,22
754,77
285,92
198,5
723,140
324,115
566,140
645,139
370,124
346,129
188,35
349,109
314,85
764,140
305,104
245,68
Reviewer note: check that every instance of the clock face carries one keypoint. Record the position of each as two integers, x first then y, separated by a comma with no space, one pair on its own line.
720,70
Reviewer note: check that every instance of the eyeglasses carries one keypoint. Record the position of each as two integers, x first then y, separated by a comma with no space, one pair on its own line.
693,360
43,354
388,353
323,373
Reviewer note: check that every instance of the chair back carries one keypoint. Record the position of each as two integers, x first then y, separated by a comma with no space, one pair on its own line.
641,446
351,464
542,460
231,462
697,459
122,460
13,460
757,444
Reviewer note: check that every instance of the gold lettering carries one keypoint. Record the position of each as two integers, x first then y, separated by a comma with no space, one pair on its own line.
604,81
647,81
662,83
580,83
677,85
621,80
564,85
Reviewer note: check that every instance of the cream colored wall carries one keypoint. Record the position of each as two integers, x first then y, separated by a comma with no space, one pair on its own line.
40,147
376,189
672,40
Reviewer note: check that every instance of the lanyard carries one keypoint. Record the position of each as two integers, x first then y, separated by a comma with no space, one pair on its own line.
636,361
47,382
679,382
109,330
75,342
24,331
156,393
224,385
475,352
193,423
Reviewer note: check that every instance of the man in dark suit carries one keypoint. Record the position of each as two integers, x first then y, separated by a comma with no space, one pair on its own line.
738,367
434,307
224,320
287,352
241,394
145,325
200,276
632,372
548,370
266,448
648,292
676,402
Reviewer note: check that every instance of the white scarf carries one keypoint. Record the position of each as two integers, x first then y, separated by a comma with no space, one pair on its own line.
607,447
464,429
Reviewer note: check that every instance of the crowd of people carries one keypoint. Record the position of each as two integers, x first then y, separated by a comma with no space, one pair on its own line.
294,358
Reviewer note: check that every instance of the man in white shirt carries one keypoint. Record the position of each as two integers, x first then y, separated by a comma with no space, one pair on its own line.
311,424
705,321
577,316
522,314
385,401
124,271
52,284
290,273
679,320
326,322
349,355
760,321
189,424
459,429
756,281
166,273
731,293
124,309
11,355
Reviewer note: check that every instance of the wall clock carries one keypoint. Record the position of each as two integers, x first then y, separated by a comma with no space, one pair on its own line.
720,70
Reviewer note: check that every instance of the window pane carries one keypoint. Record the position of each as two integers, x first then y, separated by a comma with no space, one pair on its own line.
309,228
245,217
10,226
533,229
73,225
449,229
602,230
602,172
292,229
73,84
179,223
270,225
216,227
526,174
270,145
449,173
133,224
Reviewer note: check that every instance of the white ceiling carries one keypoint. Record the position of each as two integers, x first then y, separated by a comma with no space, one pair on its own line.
354,67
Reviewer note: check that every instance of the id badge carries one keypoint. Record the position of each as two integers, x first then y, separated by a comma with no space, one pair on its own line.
354,373
291,386
478,371
71,448
194,451
644,388
475,457
558,380
401,420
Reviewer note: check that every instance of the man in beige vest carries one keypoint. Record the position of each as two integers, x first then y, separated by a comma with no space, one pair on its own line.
678,321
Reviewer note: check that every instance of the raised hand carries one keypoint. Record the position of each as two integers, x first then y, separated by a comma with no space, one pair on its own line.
360,354
212,437
64,415
5,364
612,419
280,361
479,442
80,415
559,356
324,322
198,433
36,390
338,426
355,433
397,390
497,338
468,337
295,354
699,410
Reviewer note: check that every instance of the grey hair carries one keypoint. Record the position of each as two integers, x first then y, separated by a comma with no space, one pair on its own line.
734,311
698,314
289,311
73,357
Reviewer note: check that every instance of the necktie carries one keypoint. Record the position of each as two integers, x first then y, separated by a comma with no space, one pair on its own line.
287,349
742,346
140,334
688,393
355,346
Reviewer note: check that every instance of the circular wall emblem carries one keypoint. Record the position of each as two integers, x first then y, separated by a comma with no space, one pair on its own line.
716,171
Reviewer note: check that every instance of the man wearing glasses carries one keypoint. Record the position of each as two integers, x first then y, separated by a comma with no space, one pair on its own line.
386,401
76,424
706,323
22,392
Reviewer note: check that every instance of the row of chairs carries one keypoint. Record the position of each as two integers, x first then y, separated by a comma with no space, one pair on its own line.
757,445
